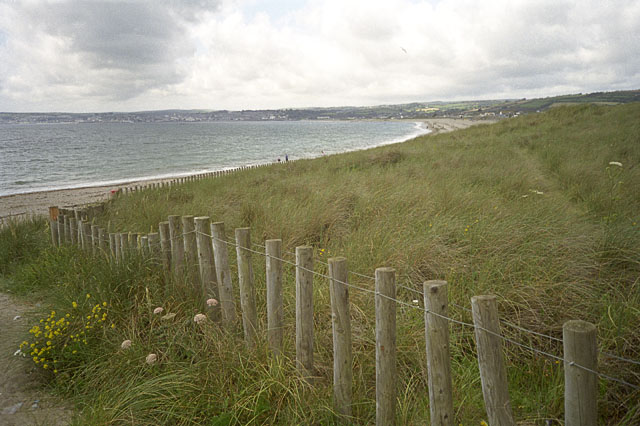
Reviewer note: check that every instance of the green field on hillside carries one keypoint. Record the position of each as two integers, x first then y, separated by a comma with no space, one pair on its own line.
542,210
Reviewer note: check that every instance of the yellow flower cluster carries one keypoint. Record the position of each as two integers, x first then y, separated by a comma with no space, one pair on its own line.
466,228
45,337
55,337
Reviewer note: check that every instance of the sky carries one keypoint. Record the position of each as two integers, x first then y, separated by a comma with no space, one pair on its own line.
119,55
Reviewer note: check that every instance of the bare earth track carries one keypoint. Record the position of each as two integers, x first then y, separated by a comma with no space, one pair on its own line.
22,400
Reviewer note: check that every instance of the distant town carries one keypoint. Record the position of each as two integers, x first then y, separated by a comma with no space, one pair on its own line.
413,111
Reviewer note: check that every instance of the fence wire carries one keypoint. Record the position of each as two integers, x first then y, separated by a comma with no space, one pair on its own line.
449,319
181,236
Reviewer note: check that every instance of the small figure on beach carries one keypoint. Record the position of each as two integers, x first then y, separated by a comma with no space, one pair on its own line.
286,158
278,159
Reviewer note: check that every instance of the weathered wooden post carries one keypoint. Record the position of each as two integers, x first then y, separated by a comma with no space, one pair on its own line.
124,246
79,237
95,238
341,325
103,241
134,243
53,224
304,311
113,246
190,250
86,237
273,251
73,231
385,346
206,263
144,245
438,355
247,287
177,245
580,385
61,239
67,229
223,273
165,245
154,246
493,373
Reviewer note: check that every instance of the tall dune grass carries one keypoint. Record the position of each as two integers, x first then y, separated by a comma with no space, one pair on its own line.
529,209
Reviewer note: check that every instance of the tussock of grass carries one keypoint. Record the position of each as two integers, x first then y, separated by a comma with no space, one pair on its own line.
20,242
528,209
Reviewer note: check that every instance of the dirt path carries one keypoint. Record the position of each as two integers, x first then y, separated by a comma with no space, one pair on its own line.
22,402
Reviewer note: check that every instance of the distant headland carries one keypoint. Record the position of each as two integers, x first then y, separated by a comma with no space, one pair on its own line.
478,109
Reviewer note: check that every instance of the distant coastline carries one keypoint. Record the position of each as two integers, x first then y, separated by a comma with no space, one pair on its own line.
471,109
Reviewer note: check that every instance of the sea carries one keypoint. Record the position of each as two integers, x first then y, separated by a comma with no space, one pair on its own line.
42,157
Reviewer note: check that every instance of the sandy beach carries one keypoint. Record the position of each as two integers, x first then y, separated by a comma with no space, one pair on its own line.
39,202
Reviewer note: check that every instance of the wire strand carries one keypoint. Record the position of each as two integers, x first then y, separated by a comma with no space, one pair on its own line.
452,320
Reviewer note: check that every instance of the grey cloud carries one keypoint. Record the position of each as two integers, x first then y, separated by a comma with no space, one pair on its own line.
132,46
191,9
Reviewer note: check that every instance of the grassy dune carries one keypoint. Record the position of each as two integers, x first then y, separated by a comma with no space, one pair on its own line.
528,209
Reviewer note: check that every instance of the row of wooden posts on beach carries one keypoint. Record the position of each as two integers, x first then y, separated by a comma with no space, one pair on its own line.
188,246
12,217
186,179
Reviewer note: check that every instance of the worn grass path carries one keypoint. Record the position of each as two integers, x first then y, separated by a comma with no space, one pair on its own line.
22,399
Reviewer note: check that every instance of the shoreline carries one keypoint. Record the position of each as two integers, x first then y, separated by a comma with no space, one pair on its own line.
38,202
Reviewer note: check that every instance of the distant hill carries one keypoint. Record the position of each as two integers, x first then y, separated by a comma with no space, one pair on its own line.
411,111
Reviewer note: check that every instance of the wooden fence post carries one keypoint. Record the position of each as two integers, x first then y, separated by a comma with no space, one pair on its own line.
580,385
95,238
385,346
247,287
304,311
134,242
113,247
144,245
438,356
67,229
223,273
154,246
341,326
191,250
177,245
103,241
124,246
53,225
61,239
273,251
165,245
73,231
86,237
206,263
79,227
493,373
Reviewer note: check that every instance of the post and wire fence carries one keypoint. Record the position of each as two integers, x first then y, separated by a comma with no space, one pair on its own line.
196,249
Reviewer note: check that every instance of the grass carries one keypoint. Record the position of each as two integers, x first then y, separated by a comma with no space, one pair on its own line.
529,209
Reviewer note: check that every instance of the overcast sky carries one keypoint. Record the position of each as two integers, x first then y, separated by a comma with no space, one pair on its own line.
91,56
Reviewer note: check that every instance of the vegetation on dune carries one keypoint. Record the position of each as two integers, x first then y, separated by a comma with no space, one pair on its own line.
541,210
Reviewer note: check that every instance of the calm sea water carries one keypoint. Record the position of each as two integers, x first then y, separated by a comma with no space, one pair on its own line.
55,156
